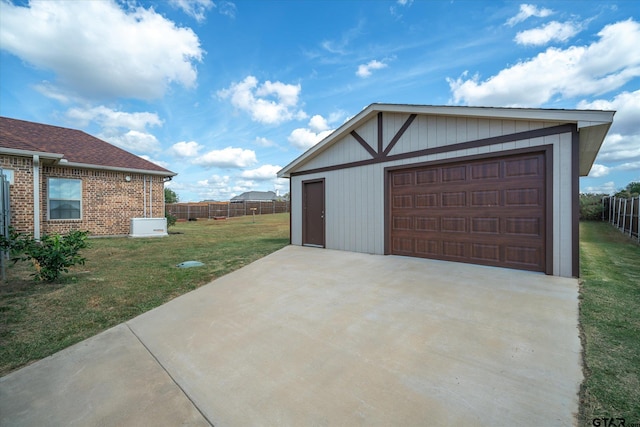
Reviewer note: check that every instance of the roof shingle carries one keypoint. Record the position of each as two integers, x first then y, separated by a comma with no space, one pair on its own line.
76,146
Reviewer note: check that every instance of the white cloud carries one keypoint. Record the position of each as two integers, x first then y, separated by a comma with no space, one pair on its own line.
527,11
186,149
404,2
318,123
606,188
268,103
194,8
133,140
553,31
263,173
96,48
264,142
229,157
157,162
303,138
603,66
598,171
364,70
113,119
318,129
227,8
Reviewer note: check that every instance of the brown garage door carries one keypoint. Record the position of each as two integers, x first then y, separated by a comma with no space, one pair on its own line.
489,211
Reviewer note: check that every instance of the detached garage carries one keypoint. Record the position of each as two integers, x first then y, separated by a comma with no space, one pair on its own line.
491,186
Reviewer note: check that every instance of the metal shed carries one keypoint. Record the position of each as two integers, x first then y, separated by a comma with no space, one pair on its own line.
491,186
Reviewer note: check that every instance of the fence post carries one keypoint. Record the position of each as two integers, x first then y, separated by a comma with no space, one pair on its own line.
631,218
624,216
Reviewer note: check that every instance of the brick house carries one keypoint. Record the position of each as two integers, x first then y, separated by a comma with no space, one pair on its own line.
64,179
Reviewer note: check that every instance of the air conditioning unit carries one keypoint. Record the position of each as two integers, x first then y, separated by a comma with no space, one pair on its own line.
148,227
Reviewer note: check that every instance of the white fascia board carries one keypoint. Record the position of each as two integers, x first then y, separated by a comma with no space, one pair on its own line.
29,153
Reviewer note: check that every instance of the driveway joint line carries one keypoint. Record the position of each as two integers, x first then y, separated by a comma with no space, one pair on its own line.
170,376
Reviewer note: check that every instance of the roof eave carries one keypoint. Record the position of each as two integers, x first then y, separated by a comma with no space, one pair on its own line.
30,153
118,169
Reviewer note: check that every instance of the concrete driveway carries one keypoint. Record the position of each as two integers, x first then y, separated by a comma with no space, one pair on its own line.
313,337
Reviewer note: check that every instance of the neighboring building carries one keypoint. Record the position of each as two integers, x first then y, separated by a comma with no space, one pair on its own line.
64,179
255,196
493,186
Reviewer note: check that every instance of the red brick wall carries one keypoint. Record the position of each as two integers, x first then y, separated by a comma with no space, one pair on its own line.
108,200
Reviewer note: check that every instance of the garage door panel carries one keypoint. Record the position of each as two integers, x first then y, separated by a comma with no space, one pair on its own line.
453,225
454,174
428,200
454,199
523,197
427,224
526,257
488,198
528,166
523,226
429,176
402,223
403,201
489,211
485,225
485,252
428,247
485,171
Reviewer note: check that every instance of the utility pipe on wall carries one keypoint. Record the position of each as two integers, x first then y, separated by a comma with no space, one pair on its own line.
144,195
36,197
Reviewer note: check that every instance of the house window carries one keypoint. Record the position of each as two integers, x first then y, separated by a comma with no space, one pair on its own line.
65,198
8,175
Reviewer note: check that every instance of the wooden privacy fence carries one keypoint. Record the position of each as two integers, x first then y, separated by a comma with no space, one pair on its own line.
623,213
213,210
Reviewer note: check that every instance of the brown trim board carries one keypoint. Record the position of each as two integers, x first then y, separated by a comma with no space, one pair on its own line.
398,135
548,154
364,144
530,134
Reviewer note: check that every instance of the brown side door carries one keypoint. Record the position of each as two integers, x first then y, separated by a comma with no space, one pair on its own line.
313,232
489,211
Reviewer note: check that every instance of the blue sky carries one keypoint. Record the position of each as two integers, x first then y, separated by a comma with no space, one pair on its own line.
227,93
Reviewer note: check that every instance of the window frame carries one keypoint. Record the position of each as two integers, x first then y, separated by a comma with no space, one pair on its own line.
49,199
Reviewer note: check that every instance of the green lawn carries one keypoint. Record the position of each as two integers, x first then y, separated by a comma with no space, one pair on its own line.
610,320
123,278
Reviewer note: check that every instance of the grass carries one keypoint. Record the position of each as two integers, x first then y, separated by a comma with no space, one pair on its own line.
610,321
121,279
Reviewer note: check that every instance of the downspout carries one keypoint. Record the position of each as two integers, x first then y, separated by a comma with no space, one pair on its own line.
150,197
36,197
144,195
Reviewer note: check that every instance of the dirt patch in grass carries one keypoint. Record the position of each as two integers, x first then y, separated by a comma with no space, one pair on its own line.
122,278
610,322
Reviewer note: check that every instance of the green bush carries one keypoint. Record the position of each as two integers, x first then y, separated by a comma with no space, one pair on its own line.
591,207
171,220
51,255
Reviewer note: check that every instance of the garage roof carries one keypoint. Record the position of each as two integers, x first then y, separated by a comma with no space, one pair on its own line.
593,126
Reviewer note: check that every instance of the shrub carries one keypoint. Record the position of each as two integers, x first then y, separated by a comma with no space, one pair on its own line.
51,255
591,207
171,220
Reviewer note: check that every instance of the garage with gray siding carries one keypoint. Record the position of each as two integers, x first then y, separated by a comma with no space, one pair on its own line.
491,186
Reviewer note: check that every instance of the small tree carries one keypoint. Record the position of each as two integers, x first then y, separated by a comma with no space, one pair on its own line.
51,255
170,196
